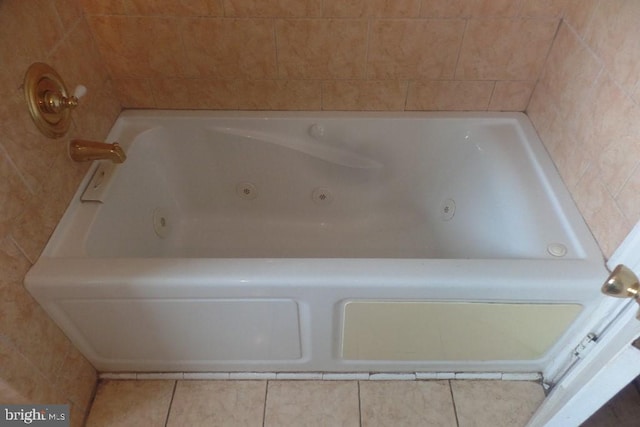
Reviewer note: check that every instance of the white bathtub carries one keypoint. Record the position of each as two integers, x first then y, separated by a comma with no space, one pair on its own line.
321,242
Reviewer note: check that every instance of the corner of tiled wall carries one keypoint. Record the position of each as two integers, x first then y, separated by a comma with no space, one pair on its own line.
38,364
586,108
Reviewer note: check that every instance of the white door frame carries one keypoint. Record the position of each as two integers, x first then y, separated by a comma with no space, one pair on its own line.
610,366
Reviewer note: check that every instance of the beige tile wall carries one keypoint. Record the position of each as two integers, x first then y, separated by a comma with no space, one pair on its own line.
586,108
38,364
325,54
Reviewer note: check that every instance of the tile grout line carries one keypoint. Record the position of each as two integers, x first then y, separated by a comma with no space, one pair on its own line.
453,401
464,34
359,406
173,395
264,409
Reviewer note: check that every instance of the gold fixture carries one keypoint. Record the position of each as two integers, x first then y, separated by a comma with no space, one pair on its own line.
48,99
623,283
82,150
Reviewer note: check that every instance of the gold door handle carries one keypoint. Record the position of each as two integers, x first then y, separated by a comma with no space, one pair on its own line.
622,283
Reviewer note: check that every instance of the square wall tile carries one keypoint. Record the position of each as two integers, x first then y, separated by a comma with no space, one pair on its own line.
569,74
446,8
141,46
131,403
104,7
628,199
364,95
69,12
321,49
14,266
406,403
231,48
273,8
495,403
511,95
414,49
607,118
90,71
135,93
579,13
600,210
14,194
218,403
195,93
543,8
505,49
28,32
495,8
470,8
312,403
377,8
101,109
279,95
174,8
613,35
442,95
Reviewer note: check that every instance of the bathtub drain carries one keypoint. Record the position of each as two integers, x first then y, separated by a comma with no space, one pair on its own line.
557,249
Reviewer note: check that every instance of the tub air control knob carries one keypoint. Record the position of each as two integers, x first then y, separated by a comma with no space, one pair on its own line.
316,131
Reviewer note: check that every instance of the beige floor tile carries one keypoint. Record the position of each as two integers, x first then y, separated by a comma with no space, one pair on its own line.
218,403
406,403
131,403
495,403
312,403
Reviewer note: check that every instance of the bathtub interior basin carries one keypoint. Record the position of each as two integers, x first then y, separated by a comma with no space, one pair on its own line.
403,187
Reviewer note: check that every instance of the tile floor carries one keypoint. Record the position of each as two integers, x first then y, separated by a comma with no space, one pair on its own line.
283,403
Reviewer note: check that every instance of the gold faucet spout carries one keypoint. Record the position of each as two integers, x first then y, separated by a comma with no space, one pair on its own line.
82,150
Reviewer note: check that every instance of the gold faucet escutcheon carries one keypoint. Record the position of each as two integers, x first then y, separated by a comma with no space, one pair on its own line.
82,150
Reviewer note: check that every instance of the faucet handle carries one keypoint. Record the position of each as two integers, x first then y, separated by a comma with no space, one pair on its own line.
72,101
79,91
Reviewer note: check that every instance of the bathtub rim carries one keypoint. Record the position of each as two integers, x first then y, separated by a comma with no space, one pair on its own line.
494,276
